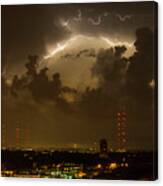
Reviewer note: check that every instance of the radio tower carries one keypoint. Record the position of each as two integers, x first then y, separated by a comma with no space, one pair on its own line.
3,134
121,130
26,136
18,131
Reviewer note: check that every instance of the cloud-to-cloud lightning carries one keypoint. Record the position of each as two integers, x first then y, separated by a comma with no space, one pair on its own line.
98,20
67,23
79,17
111,43
123,18
61,46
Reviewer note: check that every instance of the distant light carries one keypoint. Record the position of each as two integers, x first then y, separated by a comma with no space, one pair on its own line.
122,164
123,159
126,164
81,174
152,84
118,113
8,82
113,166
75,146
99,166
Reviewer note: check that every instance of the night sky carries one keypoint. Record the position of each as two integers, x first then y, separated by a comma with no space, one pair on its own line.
93,60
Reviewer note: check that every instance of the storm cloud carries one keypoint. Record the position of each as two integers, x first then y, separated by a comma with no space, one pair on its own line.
46,105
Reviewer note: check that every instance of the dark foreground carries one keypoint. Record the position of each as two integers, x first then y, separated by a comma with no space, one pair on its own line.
69,164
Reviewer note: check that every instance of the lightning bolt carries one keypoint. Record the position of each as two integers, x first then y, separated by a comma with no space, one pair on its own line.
56,50
98,20
111,43
61,46
66,23
124,18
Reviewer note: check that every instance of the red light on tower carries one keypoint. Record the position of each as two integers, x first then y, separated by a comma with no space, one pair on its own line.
26,136
3,134
17,131
121,130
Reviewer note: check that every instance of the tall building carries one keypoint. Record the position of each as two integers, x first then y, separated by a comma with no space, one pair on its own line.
121,118
103,148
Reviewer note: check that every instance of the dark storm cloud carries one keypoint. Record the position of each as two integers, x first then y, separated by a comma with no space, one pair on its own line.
42,89
140,94
141,68
103,102
127,79
110,67
118,84
28,28
121,84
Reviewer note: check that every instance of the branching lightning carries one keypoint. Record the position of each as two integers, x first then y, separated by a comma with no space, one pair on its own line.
123,18
61,46
99,19
66,23
111,43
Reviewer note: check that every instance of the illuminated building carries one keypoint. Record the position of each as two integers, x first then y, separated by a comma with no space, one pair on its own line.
103,148
121,118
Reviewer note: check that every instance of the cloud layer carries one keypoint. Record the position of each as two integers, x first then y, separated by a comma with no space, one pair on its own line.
121,81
